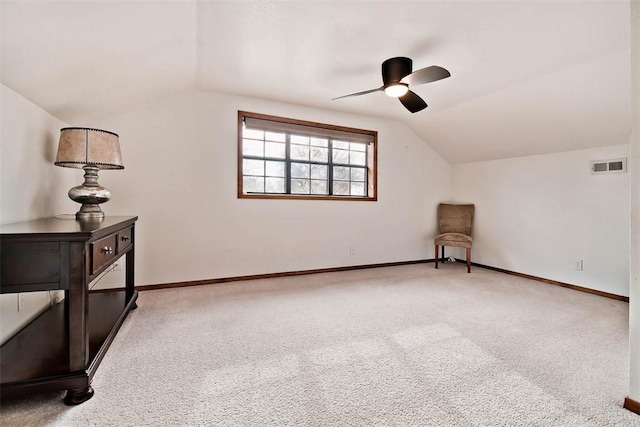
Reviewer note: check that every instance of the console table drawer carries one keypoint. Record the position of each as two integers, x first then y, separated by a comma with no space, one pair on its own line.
20,274
103,251
124,239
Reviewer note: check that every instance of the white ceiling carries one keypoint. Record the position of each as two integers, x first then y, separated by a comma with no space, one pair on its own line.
528,77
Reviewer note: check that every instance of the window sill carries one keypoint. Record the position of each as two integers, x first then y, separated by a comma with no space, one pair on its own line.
307,197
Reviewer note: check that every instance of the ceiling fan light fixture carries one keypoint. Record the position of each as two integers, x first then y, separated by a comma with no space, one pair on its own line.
396,90
397,76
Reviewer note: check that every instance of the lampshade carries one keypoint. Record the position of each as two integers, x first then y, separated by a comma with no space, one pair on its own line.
85,146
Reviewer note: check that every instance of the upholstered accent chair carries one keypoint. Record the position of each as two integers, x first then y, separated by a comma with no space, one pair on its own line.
455,223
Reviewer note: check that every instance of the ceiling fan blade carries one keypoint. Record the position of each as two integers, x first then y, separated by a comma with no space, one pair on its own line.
412,102
359,93
426,75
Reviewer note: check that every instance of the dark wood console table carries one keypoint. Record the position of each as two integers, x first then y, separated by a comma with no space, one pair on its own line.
62,348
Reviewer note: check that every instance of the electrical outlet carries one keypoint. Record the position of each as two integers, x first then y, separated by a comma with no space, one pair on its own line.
578,264
352,250
20,301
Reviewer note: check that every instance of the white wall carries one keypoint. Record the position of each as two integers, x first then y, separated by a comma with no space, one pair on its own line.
539,214
180,178
634,283
30,186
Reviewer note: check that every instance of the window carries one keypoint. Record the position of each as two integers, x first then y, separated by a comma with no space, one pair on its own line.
287,158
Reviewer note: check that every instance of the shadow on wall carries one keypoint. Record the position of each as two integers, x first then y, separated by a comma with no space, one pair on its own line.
49,181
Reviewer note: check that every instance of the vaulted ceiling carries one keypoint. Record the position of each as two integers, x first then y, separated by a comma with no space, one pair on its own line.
528,77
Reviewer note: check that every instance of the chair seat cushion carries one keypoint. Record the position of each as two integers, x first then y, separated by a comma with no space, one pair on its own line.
453,239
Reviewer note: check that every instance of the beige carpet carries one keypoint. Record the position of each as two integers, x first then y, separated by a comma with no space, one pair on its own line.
403,346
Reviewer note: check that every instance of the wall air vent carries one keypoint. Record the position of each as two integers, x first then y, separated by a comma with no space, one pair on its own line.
608,166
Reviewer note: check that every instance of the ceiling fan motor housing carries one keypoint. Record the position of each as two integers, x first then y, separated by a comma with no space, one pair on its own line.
395,69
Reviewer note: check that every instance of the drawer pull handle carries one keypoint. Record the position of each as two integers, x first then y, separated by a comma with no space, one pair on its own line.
125,238
107,250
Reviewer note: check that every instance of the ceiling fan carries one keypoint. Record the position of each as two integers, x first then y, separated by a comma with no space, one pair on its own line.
396,78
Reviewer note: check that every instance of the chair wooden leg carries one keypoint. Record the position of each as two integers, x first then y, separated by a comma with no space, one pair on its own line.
468,260
436,258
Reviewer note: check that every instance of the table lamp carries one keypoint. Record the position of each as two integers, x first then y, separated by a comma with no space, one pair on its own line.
91,150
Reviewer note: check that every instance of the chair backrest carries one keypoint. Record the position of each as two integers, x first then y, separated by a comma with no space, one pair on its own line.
455,218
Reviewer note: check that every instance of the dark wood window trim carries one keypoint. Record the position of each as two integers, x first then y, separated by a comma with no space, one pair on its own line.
283,124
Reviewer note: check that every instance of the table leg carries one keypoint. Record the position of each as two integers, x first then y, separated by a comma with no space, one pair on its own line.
77,396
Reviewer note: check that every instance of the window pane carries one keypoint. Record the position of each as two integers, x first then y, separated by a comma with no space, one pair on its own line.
253,133
341,188
272,136
319,154
275,149
300,186
275,169
341,172
274,185
358,158
299,152
357,146
319,171
318,187
341,144
357,174
340,156
253,167
319,142
299,170
252,147
300,139
252,184
357,188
